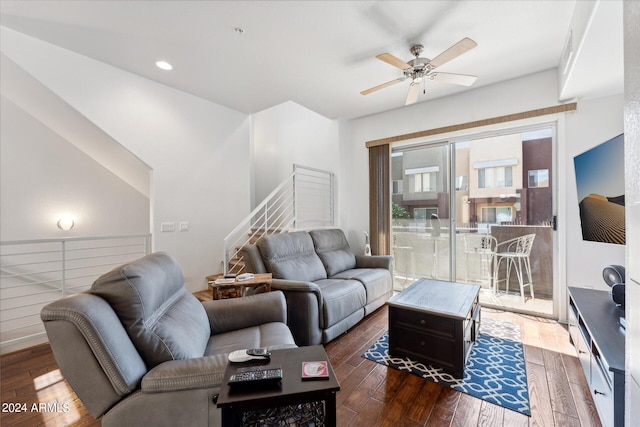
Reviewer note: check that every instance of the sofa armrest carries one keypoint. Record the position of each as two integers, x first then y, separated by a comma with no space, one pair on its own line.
304,308
375,261
295,286
103,332
238,313
186,374
252,259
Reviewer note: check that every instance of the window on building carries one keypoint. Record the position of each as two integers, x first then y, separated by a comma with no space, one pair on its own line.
424,213
496,215
397,187
538,178
495,177
423,182
423,179
461,183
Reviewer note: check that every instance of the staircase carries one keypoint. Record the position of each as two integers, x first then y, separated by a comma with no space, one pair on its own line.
304,200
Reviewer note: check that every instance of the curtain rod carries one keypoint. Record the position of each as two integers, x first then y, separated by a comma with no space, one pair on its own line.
478,123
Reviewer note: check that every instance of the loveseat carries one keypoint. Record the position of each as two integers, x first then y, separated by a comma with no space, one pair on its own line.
140,350
328,289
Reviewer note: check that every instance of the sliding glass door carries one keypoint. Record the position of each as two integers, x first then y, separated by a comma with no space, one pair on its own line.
478,211
420,213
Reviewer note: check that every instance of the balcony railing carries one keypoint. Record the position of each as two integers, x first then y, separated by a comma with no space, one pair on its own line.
36,272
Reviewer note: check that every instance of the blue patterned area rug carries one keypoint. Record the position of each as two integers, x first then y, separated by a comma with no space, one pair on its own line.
495,370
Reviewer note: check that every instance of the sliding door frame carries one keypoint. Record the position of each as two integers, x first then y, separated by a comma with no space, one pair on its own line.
554,118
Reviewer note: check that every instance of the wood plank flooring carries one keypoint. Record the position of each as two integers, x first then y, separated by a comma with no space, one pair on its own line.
371,394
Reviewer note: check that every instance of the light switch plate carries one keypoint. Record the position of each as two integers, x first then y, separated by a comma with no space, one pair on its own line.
183,226
167,226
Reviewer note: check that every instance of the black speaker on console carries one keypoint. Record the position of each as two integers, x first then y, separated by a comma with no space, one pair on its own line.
614,276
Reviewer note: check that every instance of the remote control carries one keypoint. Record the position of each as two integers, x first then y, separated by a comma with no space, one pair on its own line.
255,375
239,356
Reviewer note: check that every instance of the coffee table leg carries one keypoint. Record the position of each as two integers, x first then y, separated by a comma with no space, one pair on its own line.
330,415
228,417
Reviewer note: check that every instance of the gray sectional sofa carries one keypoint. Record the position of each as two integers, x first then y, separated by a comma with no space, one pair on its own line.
328,289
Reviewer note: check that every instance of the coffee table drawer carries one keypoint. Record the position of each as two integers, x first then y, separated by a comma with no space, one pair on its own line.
426,348
424,321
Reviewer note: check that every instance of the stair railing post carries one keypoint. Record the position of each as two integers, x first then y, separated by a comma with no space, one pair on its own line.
332,199
64,269
225,264
266,218
294,190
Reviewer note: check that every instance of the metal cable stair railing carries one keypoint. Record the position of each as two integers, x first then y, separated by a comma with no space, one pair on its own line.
304,200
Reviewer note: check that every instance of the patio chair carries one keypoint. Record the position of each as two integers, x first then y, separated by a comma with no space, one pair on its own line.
515,254
482,248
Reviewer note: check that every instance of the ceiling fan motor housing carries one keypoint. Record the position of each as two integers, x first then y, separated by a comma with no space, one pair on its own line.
419,68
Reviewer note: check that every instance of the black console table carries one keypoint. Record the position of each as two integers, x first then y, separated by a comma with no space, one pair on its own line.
594,327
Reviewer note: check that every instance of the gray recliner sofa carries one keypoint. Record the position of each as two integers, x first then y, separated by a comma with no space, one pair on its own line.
140,350
328,289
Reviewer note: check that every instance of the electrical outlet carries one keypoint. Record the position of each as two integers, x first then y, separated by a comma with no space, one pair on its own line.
183,226
167,226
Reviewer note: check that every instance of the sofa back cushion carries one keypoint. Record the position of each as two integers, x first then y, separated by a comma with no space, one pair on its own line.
291,256
334,250
163,320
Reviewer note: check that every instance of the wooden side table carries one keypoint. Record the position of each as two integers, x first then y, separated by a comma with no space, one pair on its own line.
260,283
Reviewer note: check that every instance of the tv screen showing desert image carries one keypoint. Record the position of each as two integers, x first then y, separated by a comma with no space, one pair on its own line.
600,181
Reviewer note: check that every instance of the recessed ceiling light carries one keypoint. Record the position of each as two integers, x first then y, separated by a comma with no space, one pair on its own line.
164,65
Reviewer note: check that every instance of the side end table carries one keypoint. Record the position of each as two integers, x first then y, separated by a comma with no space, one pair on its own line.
293,390
260,283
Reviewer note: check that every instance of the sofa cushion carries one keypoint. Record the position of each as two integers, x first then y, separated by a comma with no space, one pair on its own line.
376,281
272,335
163,320
340,298
291,256
334,250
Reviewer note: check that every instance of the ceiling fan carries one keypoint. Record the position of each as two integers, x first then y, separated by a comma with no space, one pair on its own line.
419,69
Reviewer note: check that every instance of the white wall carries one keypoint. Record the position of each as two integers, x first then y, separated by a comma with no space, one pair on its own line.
595,121
43,177
197,150
632,178
290,134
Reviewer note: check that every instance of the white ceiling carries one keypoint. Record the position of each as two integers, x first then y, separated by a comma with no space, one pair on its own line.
319,54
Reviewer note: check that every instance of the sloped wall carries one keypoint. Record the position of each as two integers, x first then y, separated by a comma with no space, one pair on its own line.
43,177
198,151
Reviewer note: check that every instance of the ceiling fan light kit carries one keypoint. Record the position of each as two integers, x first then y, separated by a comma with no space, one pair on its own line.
419,69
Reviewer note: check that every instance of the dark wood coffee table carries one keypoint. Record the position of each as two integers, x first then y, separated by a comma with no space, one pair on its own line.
291,391
435,322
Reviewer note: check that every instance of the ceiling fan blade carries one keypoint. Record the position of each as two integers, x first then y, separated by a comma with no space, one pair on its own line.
382,86
392,60
456,79
412,96
454,51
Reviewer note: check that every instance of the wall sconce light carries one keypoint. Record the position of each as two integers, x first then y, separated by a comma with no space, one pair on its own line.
65,223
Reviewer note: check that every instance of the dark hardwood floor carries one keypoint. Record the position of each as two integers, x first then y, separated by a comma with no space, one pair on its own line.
371,394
